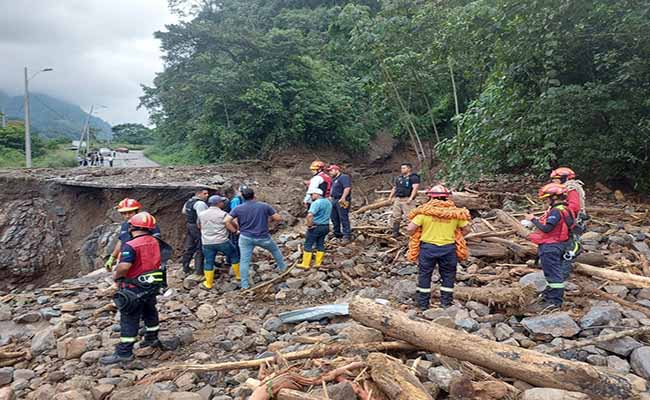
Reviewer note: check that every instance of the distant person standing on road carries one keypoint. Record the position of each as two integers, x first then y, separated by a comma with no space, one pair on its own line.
191,210
101,160
252,221
405,190
110,161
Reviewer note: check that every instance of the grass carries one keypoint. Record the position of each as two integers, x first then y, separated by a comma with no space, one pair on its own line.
173,155
56,157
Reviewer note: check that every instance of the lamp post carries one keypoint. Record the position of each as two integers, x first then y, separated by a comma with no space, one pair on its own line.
28,137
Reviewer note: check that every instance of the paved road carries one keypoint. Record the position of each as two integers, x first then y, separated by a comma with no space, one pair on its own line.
133,159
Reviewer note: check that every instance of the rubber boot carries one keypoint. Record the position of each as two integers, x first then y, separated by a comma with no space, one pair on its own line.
236,271
396,229
209,278
306,260
319,258
446,299
423,300
150,340
123,353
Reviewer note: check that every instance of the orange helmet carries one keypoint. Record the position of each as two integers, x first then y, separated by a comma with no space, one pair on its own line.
127,205
317,165
438,191
143,220
563,172
552,190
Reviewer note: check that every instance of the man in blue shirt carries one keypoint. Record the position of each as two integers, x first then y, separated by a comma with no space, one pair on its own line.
318,226
252,222
341,197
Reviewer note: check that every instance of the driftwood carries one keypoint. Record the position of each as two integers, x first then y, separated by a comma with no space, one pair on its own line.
520,250
595,259
313,352
373,206
600,339
513,296
479,235
529,366
629,280
461,199
395,379
490,250
507,219
290,394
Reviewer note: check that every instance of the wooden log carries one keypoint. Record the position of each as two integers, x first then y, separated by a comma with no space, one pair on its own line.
629,280
395,379
595,259
514,296
289,394
373,206
483,249
480,235
521,250
469,201
529,366
507,219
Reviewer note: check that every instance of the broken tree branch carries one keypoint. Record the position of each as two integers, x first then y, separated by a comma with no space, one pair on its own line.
629,280
395,379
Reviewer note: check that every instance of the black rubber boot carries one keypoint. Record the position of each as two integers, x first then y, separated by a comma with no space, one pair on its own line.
396,229
150,340
423,300
116,359
446,299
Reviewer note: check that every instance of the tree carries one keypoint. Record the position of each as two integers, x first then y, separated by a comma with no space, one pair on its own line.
132,134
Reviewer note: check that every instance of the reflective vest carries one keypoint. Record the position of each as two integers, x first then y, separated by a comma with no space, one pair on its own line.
326,186
147,256
560,232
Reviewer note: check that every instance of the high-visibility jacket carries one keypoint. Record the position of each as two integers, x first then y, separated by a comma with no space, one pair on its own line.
560,232
147,256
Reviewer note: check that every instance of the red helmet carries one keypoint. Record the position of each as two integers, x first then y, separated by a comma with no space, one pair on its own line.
438,191
334,167
127,205
552,190
317,165
563,172
143,220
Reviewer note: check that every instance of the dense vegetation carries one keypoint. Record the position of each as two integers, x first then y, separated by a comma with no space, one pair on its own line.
537,83
45,153
131,133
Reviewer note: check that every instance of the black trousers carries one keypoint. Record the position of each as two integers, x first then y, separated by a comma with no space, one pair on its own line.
193,248
445,258
145,309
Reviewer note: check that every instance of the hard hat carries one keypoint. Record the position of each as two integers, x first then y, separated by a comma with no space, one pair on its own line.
334,167
127,205
552,190
563,172
315,191
143,220
438,191
317,165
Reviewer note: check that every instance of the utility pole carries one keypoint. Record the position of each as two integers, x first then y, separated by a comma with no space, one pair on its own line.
28,137
3,120
83,132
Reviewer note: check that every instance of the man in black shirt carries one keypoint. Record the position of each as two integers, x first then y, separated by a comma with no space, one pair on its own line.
405,190
193,246
341,198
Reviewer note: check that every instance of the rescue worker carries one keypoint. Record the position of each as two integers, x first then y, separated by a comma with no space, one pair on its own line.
318,226
214,238
341,198
552,236
404,192
138,277
252,223
127,209
437,230
319,180
191,210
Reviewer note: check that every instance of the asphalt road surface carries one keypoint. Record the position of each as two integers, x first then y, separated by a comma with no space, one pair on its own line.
132,159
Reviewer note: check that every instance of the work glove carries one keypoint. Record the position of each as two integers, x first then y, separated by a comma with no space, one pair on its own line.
109,264
344,203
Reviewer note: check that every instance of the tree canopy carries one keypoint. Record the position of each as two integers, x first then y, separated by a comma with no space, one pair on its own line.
535,84
132,134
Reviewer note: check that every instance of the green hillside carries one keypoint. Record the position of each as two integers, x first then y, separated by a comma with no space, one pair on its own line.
52,117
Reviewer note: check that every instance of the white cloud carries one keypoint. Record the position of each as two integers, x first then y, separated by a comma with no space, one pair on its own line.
101,51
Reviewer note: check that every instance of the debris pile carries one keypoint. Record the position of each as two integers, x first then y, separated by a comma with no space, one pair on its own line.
350,330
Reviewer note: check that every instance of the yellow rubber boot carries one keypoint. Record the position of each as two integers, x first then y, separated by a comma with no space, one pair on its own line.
209,278
236,271
319,258
306,260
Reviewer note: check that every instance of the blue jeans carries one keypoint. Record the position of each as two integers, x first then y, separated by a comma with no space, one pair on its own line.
210,253
316,237
246,246
340,218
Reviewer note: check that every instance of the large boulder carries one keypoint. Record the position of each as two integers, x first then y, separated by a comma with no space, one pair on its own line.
558,324
43,340
640,361
552,394
600,315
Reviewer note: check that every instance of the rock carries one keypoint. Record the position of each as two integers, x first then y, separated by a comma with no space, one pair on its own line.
70,306
600,315
558,324
340,391
100,392
73,395
206,313
408,270
234,332
25,374
313,292
91,357
7,393
598,360
186,381
185,335
68,349
43,341
295,283
640,361
503,331
185,396
405,289
442,376
552,394
644,294
273,324
192,281
480,309
622,347
536,279
44,392
618,290
6,375
468,324
356,333
28,318
140,392
618,364
445,320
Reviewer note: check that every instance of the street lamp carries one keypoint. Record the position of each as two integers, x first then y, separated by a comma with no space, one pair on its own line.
85,131
28,137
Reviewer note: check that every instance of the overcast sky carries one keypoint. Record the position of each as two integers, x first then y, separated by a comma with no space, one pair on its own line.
101,50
